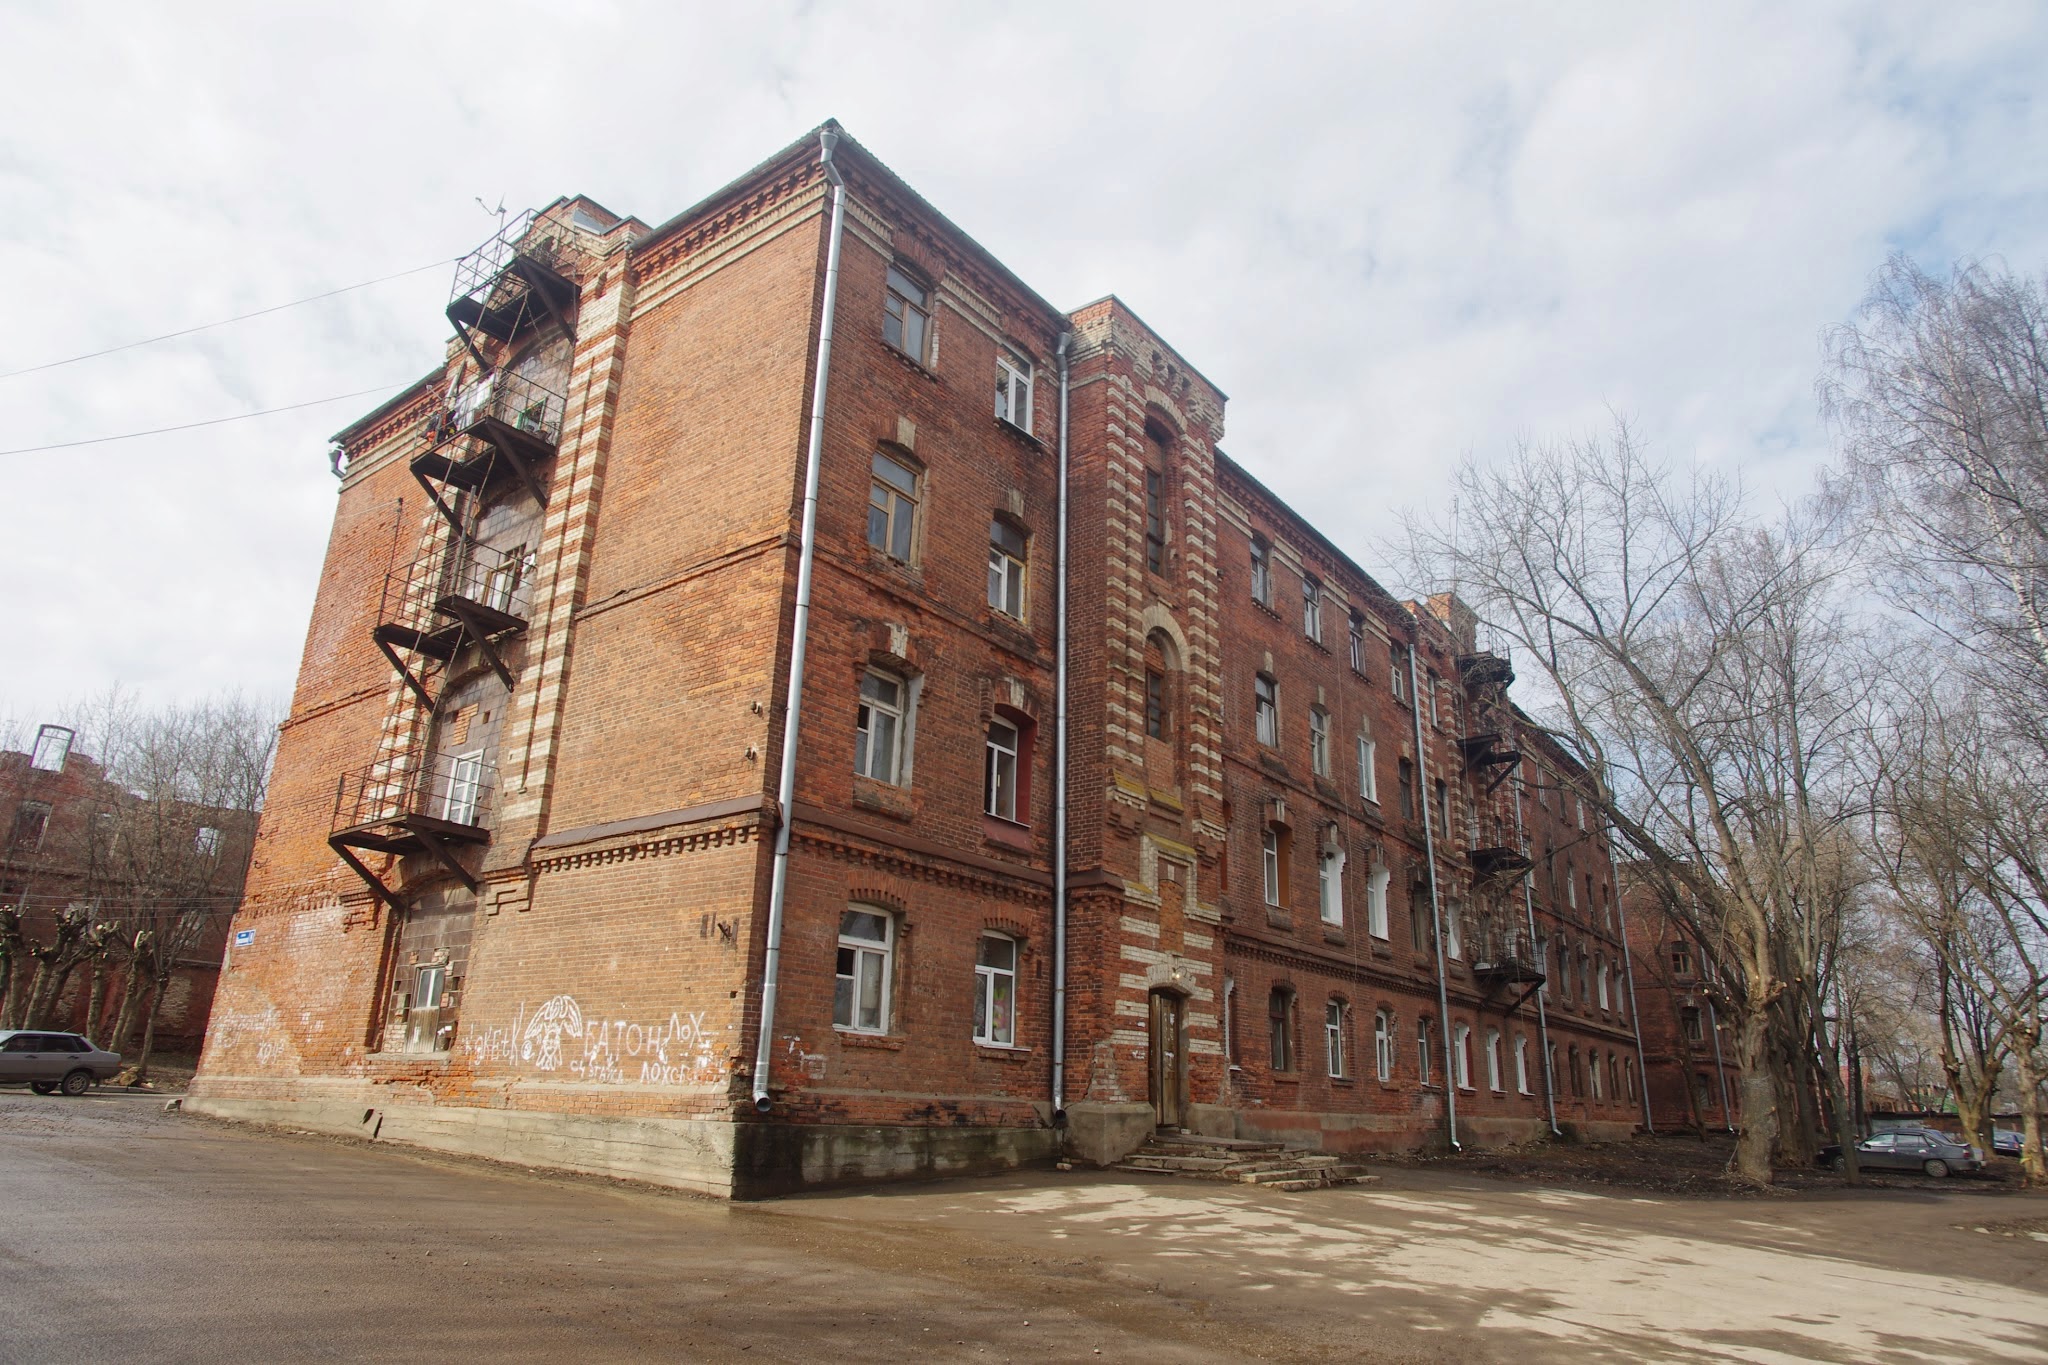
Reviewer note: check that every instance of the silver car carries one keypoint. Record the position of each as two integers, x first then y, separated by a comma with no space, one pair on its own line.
49,1062
1913,1149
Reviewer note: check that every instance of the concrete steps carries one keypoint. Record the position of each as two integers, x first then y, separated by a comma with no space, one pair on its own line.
1269,1165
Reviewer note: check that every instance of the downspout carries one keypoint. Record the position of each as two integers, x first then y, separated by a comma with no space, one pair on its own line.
1635,1018
1542,1014
1436,909
792,709
1059,780
1720,1069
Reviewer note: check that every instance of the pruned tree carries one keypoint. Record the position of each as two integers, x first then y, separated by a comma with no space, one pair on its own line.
1694,660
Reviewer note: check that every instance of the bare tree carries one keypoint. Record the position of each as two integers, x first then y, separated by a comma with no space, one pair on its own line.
1693,659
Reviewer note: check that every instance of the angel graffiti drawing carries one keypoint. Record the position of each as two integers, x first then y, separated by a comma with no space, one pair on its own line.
542,1042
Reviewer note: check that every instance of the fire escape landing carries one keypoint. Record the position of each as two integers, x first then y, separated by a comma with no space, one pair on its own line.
390,809
460,595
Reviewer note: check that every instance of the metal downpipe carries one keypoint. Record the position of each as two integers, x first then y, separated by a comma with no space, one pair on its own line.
1059,780
1436,908
792,710
1542,1014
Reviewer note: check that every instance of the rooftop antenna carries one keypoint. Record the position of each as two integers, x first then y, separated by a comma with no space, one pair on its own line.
498,211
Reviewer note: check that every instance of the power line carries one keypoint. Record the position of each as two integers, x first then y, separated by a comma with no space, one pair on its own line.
209,422
240,317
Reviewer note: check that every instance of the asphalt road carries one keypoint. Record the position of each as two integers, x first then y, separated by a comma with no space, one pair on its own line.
127,1233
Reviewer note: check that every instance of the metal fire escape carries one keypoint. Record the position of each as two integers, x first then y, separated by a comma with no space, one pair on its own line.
395,809
458,595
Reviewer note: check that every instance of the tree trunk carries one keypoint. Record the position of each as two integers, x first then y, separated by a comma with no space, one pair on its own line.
156,1003
95,985
2032,1162
124,1022
1759,1132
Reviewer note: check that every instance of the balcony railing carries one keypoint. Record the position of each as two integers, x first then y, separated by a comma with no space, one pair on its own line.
511,281
512,401
450,795
461,584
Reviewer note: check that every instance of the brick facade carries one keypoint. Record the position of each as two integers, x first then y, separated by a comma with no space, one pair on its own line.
1688,1048
596,994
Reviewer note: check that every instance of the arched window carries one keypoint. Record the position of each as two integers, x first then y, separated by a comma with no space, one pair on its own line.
1368,766
1162,664
1593,1074
1376,900
1422,1050
1330,885
1578,1077
1522,1064
1357,642
995,991
1600,978
1461,1052
1383,1044
1333,1036
1493,1077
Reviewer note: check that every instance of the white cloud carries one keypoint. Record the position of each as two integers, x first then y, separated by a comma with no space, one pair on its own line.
1394,234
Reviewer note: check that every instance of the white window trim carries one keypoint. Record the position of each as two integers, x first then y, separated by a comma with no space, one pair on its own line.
985,978
1010,572
902,710
1312,610
1269,863
1376,900
1493,1065
1522,1065
1333,1039
1013,389
1319,741
465,788
995,752
1461,1053
1368,769
886,950
1383,1044
1330,886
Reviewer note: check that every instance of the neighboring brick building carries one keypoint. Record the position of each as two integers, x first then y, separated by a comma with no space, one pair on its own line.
81,847
1688,1048
556,784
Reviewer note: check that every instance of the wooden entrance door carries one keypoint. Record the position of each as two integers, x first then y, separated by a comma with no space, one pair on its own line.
1169,1061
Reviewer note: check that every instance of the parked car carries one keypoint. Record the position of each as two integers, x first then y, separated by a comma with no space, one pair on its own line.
2007,1142
49,1062
1913,1149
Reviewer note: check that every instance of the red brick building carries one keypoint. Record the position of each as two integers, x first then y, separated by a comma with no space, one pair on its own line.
1688,1048
526,883
81,847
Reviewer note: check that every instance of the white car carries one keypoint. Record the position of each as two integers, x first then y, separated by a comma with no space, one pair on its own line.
49,1062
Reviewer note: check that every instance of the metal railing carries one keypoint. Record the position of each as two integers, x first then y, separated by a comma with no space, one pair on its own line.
512,399
457,788
479,273
501,580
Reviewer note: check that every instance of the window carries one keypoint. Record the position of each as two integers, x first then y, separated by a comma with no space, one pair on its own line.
999,786
860,997
1333,1036
1594,1075
1564,969
1230,1021
1368,769
1681,959
1006,568
1376,901
1383,1044
465,787
1628,1072
1312,609
1443,807
1580,806
1262,573
1600,980
1279,1005
1155,521
878,729
1454,934
1435,686
1419,935
1155,704
892,507
1013,389
1266,704
1585,977
1330,885
430,986
1522,1065
1572,1072
1407,775
1275,846
31,819
1689,1021
1571,892
1319,741
1461,1052
53,746
1422,1050
1700,1092
206,842
1357,643
995,991
905,311
1398,653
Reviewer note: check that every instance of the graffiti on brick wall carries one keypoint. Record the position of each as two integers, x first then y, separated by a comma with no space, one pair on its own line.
563,1039
260,1029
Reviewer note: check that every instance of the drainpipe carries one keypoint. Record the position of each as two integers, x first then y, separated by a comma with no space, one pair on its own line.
1720,1069
792,710
1436,909
1635,1019
1059,781
1542,1014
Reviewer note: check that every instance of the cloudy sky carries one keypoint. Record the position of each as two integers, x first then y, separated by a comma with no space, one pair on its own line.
1394,234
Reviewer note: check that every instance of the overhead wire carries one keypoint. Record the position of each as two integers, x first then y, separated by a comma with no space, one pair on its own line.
208,422
223,322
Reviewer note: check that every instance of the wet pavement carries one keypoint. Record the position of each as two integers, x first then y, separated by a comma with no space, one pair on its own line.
126,1232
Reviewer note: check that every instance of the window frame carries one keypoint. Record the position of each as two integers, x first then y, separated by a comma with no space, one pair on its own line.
1155,521
1330,886
1376,917
1312,609
1383,1027
994,754
27,814
899,307
1496,1076
1280,1029
863,731
1368,769
862,948
1522,1065
1333,1039
1014,378
50,752
1262,571
987,977
1423,1049
1272,865
1357,628
1319,741
1266,710
1008,570
897,506
1461,1054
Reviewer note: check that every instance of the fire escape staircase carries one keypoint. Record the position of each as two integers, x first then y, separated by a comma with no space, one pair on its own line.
502,426
435,809
511,283
460,595
1504,963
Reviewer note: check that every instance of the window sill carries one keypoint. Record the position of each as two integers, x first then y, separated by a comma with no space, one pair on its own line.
884,798
429,1058
1005,833
1266,607
881,1042
911,362
1333,935
1288,1077
1343,1080
1002,1052
1017,433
